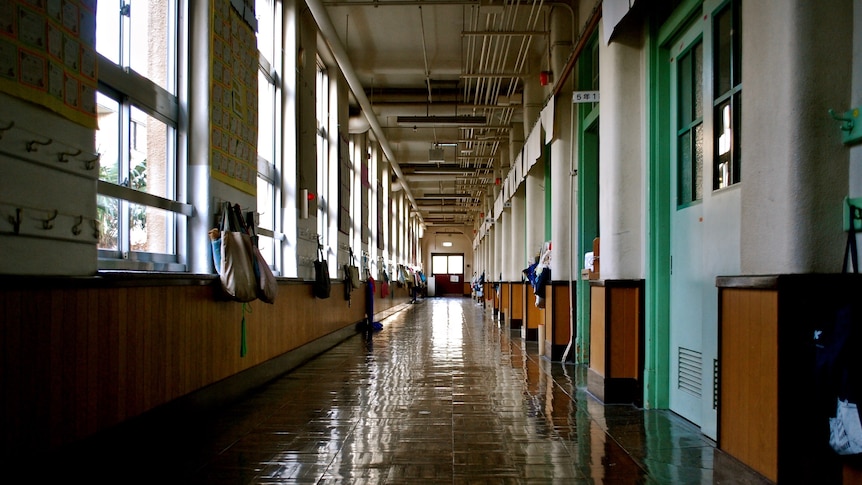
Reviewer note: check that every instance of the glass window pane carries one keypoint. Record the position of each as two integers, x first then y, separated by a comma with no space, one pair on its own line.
150,229
723,144
149,155
456,264
736,172
684,175
266,245
266,117
265,43
108,211
265,203
439,264
684,89
722,55
149,42
697,81
108,138
697,190
108,30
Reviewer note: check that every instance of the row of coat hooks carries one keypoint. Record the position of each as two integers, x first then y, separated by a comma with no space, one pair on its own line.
18,216
33,146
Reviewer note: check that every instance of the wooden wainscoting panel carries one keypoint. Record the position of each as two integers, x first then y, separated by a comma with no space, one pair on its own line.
79,360
518,301
597,329
624,319
535,316
748,419
561,331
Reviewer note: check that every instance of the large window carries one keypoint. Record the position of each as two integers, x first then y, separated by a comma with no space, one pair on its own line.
447,264
269,129
727,62
328,181
137,136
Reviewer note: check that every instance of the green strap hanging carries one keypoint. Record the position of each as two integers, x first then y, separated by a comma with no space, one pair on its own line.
243,346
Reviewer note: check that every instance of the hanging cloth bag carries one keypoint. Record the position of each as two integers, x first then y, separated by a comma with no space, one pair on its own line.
322,285
236,261
267,286
353,272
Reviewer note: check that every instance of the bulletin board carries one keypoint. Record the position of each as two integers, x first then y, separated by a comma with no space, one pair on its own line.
233,98
48,55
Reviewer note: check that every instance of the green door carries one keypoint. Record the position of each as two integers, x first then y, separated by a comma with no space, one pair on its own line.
687,276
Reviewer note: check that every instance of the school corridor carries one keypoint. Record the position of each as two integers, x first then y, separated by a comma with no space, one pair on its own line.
442,394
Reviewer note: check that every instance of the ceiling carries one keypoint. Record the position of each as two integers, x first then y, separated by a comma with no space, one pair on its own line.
444,80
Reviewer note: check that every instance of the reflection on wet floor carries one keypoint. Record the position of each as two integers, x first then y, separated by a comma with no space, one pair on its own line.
441,395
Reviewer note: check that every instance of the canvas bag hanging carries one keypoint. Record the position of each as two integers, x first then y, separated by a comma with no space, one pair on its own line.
322,285
353,272
236,268
267,286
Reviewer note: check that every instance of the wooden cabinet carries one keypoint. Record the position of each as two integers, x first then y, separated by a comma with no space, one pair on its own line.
615,374
773,406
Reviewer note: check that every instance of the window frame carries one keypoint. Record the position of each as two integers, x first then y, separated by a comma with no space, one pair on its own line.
730,97
131,90
269,172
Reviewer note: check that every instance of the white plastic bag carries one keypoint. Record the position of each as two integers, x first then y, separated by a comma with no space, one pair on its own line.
845,430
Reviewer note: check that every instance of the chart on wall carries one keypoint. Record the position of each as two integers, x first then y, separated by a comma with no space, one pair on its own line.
48,55
233,96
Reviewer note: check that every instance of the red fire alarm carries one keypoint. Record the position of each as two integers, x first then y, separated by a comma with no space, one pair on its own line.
497,181
545,78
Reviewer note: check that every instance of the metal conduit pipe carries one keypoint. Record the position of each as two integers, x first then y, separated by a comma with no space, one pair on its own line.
318,11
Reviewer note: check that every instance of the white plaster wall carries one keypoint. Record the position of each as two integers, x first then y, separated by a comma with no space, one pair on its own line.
856,99
519,228
795,66
563,218
32,185
535,190
622,158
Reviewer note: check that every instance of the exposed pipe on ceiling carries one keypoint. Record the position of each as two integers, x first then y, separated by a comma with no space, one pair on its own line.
318,11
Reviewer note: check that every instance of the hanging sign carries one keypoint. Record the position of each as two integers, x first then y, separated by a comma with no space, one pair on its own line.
585,97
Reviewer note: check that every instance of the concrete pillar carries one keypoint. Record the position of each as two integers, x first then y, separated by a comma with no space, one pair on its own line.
517,231
622,208
505,246
533,99
535,221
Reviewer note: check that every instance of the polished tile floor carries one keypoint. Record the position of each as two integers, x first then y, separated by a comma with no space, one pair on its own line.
441,395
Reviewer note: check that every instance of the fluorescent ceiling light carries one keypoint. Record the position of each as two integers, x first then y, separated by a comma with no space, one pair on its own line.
447,244
442,120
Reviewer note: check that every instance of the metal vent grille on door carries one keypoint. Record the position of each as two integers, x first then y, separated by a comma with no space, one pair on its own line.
690,371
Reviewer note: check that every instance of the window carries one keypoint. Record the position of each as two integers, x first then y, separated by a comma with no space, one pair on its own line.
269,128
328,182
447,264
137,136
727,47
690,125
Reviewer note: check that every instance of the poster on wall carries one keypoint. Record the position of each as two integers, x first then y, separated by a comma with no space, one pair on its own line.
48,55
233,98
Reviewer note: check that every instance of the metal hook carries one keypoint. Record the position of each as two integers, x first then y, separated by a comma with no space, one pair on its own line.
31,145
16,220
91,164
49,222
62,156
76,228
95,224
6,128
847,123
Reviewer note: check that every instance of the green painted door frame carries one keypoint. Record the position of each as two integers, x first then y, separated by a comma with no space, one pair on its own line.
587,193
657,298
